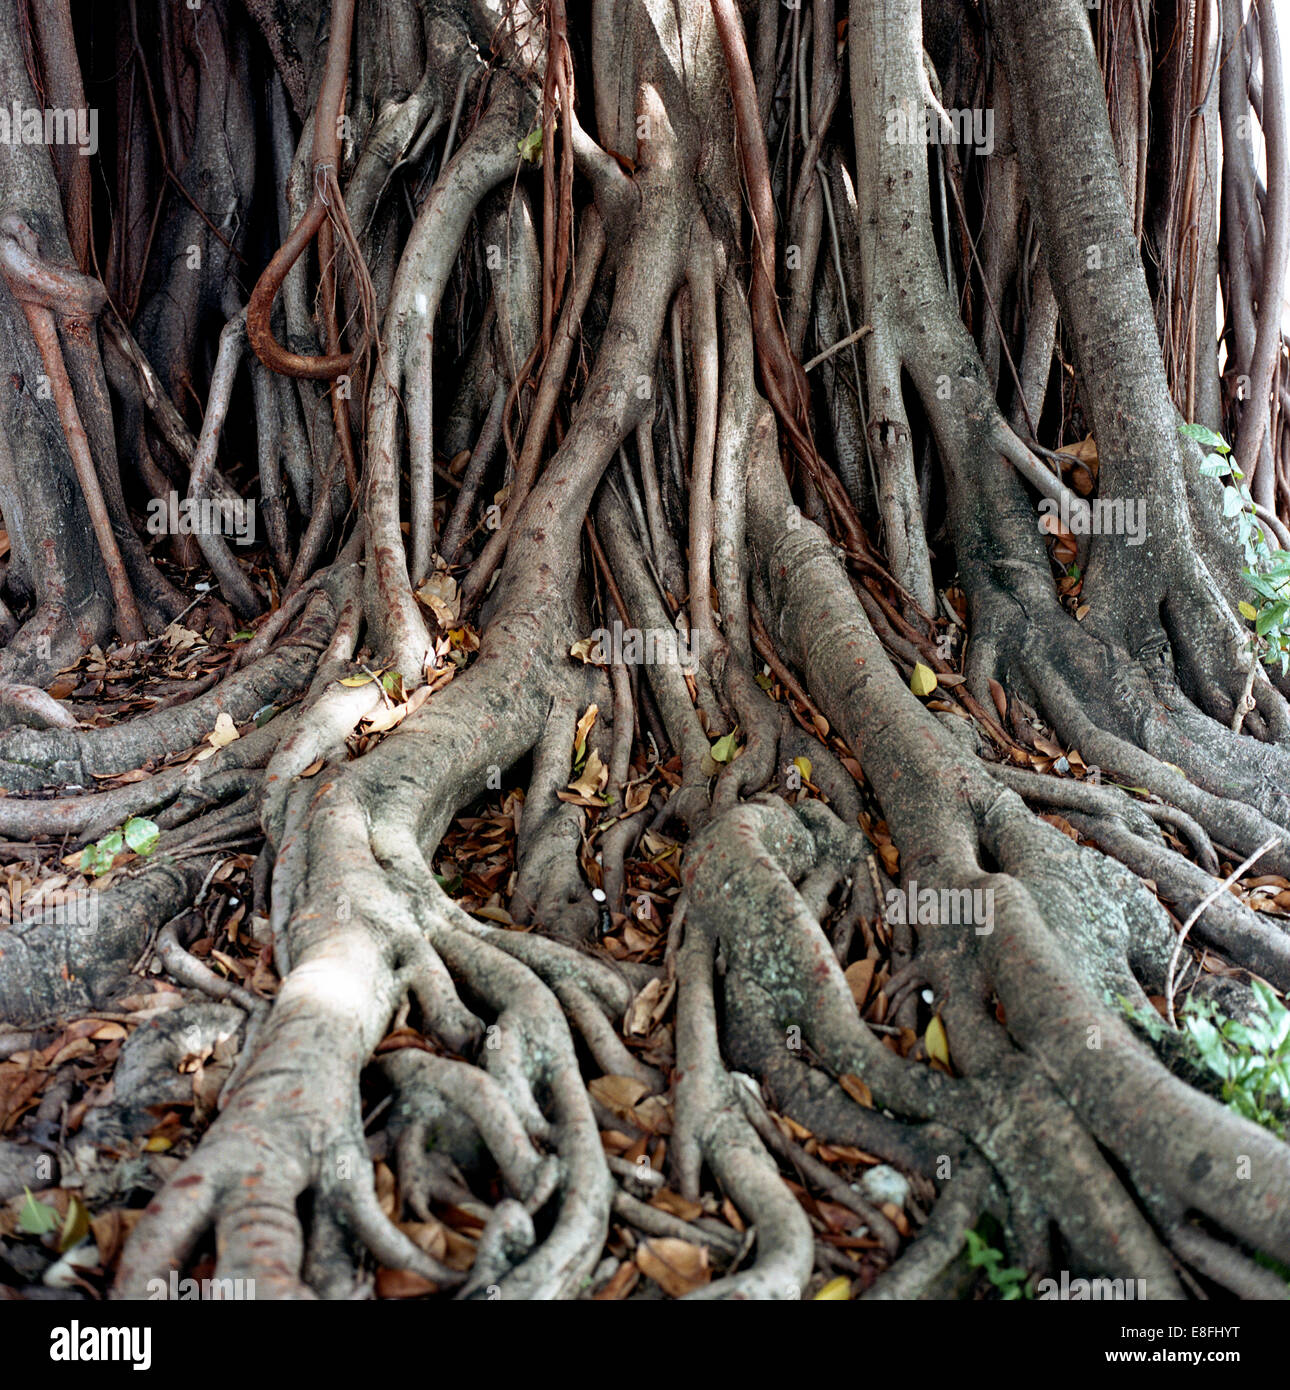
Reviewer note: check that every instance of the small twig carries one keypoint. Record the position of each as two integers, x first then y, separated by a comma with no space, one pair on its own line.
838,346
1199,908
380,685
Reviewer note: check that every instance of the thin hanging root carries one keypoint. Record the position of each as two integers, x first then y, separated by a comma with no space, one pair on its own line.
326,156
214,547
44,290
555,366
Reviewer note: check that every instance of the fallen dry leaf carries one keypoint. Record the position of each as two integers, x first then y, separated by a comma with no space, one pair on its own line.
593,777
224,733
859,976
439,594
618,1093
677,1266
857,1090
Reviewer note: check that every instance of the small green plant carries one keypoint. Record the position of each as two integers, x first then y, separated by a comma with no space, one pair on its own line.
1250,1060
138,834
40,1219
1010,1282
1247,1063
1266,572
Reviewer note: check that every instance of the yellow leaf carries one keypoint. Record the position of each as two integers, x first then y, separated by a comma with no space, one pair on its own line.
158,1144
923,681
75,1227
938,1045
1248,610
835,1291
803,765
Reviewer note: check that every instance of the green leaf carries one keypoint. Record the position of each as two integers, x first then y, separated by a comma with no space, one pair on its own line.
36,1218
1214,466
1209,1042
1268,1001
1231,501
530,147
723,750
1202,435
1272,619
141,834
1260,584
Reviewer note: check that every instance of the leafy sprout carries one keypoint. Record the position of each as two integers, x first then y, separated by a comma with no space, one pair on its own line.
138,834
1266,572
